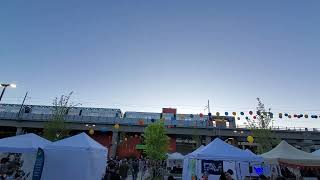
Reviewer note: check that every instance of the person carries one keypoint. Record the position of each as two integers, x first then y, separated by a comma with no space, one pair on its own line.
229,174
123,170
205,176
170,177
223,176
111,174
274,174
135,167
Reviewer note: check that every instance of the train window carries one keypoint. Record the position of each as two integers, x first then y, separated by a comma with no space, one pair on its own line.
27,109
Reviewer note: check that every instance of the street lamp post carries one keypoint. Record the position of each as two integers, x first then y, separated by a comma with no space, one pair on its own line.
4,88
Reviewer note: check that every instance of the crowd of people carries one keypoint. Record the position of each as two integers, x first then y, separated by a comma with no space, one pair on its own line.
121,169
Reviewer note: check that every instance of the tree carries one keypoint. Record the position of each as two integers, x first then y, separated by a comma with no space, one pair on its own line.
261,129
157,143
55,128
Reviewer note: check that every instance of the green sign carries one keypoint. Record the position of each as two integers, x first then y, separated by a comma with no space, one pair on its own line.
140,146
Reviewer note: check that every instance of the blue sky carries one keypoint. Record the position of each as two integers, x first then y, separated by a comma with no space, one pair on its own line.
143,55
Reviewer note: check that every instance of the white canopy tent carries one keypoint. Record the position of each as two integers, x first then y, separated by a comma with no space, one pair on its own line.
219,150
175,156
317,152
285,153
23,143
27,145
175,160
77,157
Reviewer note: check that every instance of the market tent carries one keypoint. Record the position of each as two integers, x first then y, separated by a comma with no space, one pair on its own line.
220,150
285,153
77,157
317,152
175,156
25,143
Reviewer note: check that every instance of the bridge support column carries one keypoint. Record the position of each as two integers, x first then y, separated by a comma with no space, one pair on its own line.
19,131
208,140
198,140
115,139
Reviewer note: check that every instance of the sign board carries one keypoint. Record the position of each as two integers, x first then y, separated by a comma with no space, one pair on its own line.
38,166
140,146
212,167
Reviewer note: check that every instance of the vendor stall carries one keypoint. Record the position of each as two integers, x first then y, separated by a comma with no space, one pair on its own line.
292,159
175,162
218,157
78,157
18,155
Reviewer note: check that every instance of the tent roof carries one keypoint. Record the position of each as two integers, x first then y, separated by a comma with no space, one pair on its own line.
317,152
286,153
249,151
78,141
195,151
22,143
221,150
176,156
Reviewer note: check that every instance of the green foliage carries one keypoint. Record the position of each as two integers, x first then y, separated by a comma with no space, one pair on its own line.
261,129
55,128
156,141
266,139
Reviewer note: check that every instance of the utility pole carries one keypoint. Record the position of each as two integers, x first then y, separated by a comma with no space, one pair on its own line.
24,99
207,107
20,129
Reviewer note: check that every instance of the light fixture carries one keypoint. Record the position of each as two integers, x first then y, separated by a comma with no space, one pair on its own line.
13,85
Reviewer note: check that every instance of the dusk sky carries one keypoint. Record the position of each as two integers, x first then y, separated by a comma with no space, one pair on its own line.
144,55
